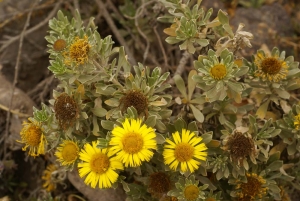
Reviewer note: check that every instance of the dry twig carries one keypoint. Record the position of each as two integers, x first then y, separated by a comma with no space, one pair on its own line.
181,66
16,74
36,27
115,30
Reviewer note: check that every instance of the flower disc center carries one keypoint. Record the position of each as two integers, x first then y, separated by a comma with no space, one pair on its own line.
99,163
70,152
271,65
218,72
33,135
132,143
184,152
191,192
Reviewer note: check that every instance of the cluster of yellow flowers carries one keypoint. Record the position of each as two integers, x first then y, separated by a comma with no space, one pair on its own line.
130,145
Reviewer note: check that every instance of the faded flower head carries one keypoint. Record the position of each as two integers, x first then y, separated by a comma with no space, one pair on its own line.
137,99
239,146
32,135
67,152
159,184
66,110
78,51
252,189
272,68
48,177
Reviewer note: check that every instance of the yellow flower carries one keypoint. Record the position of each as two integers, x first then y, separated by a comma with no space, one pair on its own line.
67,152
270,68
99,166
49,184
218,72
132,142
253,188
78,51
185,150
32,135
297,121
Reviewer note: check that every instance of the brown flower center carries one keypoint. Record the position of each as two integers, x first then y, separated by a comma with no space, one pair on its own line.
271,65
240,146
253,187
159,183
66,110
136,99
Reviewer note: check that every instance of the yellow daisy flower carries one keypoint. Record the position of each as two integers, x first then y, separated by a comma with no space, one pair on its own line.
132,142
271,68
49,184
184,150
67,152
99,166
32,135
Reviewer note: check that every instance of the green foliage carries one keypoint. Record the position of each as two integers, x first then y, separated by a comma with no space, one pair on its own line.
238,108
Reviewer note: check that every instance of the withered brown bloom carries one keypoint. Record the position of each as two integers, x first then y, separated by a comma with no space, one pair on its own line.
239,146
159,184
66,110
136,99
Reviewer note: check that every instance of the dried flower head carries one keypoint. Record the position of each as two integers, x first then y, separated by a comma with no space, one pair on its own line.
78,51
32,135
253,188
67,152
59,45
159,184
66,110
49,184
136,99
239,146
